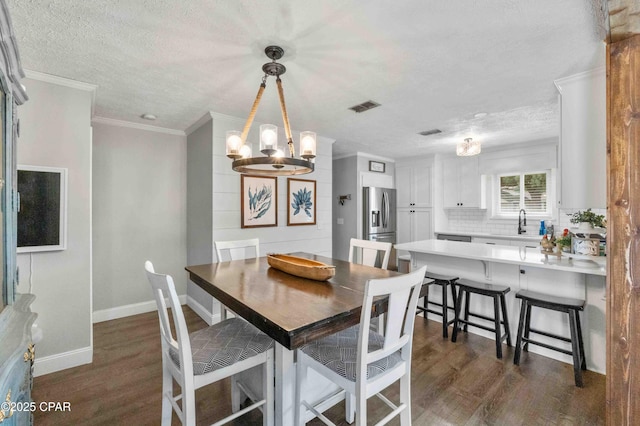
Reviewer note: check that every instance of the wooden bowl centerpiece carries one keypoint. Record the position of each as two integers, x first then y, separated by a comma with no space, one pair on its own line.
301,267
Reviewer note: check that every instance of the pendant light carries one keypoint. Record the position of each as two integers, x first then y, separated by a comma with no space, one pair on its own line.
274,161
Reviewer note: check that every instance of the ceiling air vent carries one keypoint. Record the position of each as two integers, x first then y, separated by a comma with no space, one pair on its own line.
365,106
430,132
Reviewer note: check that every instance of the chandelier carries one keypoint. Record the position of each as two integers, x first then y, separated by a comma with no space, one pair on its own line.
274,162
468,148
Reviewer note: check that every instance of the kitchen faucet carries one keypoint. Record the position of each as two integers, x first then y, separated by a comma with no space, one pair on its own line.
522,221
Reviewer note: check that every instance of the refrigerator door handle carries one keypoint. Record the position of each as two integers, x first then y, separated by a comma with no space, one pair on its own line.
385,209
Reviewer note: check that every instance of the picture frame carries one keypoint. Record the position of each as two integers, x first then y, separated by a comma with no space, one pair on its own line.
258,201
301,202
377,166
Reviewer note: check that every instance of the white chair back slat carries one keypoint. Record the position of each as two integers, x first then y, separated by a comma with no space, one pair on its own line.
237,250
227,251
164,289
367,252
403,294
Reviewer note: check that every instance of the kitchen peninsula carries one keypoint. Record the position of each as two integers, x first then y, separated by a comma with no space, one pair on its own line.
525,268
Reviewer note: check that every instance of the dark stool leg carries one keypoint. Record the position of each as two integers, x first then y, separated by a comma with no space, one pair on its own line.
445,308
425,302
505,319
581,343
458,305
573,323
527,324
496,314
467,302
516,356
454,298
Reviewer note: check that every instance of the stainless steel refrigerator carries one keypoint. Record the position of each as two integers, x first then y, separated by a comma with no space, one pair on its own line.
379,221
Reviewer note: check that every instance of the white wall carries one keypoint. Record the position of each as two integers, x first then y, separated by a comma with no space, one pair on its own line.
200,211
345,182
56,131
139,213
350,175
225,201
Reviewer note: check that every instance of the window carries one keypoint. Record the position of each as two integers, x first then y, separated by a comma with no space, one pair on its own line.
523,191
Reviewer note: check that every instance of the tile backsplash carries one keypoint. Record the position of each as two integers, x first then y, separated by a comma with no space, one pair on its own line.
473,220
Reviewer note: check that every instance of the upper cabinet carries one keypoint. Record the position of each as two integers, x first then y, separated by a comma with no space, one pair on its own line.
583,140
462,186
413,184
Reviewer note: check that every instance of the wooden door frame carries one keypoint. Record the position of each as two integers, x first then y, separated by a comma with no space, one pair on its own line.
623,205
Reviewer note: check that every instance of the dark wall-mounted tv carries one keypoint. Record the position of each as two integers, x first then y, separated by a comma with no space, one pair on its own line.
42,212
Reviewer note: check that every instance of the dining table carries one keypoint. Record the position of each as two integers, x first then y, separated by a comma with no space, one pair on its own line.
290,309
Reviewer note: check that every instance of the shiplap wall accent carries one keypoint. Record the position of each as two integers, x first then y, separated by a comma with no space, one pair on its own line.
224,200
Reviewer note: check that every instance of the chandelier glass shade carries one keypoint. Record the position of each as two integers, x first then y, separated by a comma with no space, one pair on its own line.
468,148
274,161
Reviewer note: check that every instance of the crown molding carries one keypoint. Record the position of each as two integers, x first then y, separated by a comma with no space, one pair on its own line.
600,71
61,81
138,126
375,157
340,157
66,82
199,122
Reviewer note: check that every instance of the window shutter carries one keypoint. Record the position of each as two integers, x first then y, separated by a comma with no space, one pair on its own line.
509,194
535,192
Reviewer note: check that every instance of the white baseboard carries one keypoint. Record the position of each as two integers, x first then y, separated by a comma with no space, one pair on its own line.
208,317
128,310
57,362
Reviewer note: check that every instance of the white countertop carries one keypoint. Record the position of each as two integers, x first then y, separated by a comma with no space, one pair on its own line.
591,265
521,237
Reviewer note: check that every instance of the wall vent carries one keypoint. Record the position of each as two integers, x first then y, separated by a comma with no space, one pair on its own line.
365,106
430,132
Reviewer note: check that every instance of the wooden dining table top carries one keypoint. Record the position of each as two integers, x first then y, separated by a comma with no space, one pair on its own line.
290,309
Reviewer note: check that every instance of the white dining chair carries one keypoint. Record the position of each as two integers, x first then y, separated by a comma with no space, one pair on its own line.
368,251
235,250
363,362
208,355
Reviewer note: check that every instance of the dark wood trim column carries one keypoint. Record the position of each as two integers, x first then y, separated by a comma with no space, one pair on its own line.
623,236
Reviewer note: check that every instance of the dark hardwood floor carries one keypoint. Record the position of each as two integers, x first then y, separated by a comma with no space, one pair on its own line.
452,384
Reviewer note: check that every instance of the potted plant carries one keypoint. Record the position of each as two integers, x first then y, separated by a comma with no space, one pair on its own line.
586,219
563,242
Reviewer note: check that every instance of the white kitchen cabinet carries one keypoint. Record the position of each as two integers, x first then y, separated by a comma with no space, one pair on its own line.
414,225
583,139
513,241
413,186
463,186
491,241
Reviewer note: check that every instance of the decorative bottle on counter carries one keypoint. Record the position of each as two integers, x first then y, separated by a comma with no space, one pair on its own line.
543,230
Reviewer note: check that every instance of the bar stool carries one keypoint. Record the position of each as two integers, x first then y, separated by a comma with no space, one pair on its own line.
443,281
497,292
560,304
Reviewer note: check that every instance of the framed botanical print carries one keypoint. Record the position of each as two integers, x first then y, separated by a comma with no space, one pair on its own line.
258,201
301,202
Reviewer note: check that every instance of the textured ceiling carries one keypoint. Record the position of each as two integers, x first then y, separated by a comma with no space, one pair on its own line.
431,64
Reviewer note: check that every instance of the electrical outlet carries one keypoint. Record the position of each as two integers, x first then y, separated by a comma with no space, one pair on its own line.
340,221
